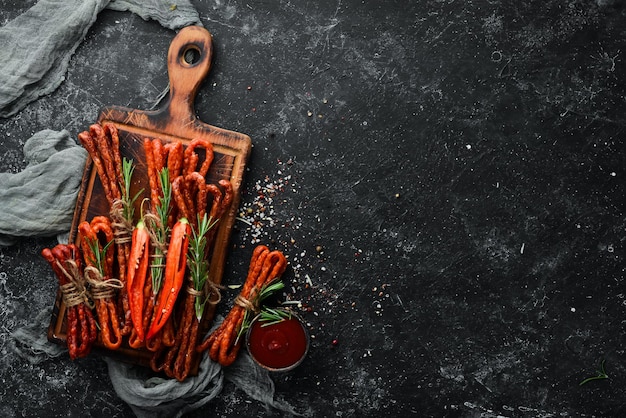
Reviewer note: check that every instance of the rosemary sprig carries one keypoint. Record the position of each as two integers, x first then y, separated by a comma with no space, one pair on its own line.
128,207
161,231
274,315
270,316
601,375
197,260
269,289
99,254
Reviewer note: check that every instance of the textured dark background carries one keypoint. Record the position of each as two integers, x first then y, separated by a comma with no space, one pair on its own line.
446,177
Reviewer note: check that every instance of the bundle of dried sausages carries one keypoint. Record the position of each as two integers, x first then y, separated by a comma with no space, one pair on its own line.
96,239
134,272
191,198
81,325
265,267
103,145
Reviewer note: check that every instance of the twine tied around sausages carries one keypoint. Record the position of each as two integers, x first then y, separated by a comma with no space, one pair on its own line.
155,227
122,226
252,304
263,278
158,233
212,288
74,291
203,295
101,287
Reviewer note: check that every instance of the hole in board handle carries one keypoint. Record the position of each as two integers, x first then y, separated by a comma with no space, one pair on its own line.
190,56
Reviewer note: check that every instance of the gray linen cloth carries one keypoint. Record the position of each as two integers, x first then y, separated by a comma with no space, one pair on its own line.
38,44
39,201
152,396
137,387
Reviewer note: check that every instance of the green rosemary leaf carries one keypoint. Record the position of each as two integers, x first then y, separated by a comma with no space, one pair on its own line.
270,289
267,314
99,254
247,320
197,259
601,375
161,231
128,168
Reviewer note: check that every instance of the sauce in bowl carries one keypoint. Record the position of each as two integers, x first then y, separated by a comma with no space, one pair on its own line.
279,346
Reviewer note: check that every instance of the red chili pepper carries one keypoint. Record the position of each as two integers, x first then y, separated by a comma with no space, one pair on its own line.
174,275
138,262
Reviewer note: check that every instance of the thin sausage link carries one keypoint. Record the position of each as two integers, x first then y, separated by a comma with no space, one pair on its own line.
111,132
177,191
174,158
153,178
104,149
191,157
88,141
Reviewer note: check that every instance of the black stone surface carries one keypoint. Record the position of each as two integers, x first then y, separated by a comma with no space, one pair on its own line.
451,200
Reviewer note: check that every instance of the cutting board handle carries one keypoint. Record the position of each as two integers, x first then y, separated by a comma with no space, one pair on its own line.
188,62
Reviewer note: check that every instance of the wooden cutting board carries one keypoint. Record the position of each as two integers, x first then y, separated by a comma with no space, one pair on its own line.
188,62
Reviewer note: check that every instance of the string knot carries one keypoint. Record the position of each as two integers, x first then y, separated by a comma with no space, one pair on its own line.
122,227
100,286
74,291
251,304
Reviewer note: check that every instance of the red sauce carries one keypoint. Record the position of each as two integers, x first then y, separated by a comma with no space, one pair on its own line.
279,345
